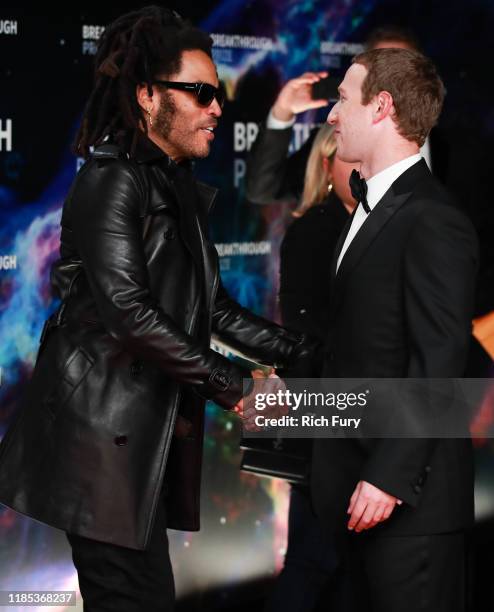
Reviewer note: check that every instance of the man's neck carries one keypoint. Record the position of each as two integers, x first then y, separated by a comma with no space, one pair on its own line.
165,147
384,156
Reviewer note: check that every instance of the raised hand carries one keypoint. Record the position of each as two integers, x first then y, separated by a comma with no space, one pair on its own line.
296,96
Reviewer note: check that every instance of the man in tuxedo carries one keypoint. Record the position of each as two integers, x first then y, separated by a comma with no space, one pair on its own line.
456,151
403,277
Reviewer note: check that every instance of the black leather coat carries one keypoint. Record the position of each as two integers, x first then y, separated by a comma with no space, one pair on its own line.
127,352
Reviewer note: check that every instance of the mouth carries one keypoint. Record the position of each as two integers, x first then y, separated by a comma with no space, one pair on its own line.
209,130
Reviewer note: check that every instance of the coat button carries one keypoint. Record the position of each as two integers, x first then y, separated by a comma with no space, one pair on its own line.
121,440
303,310
169,233
427,468
219,380
417,489
136,368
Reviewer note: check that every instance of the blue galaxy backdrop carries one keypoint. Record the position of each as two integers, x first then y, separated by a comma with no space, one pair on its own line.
45,71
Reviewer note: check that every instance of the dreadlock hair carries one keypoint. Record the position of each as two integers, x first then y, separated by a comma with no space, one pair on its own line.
134,49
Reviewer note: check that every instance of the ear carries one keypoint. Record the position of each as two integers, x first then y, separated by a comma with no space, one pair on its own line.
327,168
382,106
145,101
327,165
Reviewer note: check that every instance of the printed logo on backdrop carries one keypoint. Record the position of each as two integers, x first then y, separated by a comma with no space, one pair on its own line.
224,45
90,36
5,135
332,52
8,262
241,41
8,27
226,250
236,53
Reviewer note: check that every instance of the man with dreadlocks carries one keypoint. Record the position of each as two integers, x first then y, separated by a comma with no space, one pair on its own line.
108,444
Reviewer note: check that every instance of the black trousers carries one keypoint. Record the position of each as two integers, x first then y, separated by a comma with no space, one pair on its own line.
427,573
117,579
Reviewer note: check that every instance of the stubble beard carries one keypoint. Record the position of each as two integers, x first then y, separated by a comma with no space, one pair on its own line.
168,128
163,121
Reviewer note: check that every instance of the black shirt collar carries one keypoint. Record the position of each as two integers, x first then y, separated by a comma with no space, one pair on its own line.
145,151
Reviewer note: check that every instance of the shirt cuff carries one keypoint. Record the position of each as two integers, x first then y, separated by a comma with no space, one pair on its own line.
277,124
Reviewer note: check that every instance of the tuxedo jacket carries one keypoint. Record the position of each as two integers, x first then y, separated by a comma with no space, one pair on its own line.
401,307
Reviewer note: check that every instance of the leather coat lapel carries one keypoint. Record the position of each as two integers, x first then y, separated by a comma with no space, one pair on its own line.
190,231
206,197
193,201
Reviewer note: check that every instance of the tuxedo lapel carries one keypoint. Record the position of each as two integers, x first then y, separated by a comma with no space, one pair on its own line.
375,222
339,244
390,203
387,206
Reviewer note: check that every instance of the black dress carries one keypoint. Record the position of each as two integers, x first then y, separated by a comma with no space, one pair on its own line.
305,263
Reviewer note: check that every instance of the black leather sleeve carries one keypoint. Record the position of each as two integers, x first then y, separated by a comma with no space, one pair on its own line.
105,218
257,338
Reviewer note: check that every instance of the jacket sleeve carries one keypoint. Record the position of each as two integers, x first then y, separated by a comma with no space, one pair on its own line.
105,219
440,264
272,174
257,338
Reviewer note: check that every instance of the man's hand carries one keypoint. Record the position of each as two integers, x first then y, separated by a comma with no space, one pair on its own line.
246,406
296,96
369,506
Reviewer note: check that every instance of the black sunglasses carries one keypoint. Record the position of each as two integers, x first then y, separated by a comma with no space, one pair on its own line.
204,92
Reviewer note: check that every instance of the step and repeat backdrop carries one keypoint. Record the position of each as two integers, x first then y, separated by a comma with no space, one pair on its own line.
45,76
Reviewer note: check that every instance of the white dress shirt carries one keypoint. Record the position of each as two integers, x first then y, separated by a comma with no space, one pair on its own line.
425,151
376,188
278,124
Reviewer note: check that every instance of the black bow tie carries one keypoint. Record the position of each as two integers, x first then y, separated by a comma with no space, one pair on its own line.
359,190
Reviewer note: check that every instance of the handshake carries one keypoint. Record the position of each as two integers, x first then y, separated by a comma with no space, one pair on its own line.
246,406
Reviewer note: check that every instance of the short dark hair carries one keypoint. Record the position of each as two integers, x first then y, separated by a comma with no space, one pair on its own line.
413,82
135,48
387,33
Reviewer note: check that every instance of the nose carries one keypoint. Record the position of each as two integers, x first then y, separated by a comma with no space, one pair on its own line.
333,114
214,108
